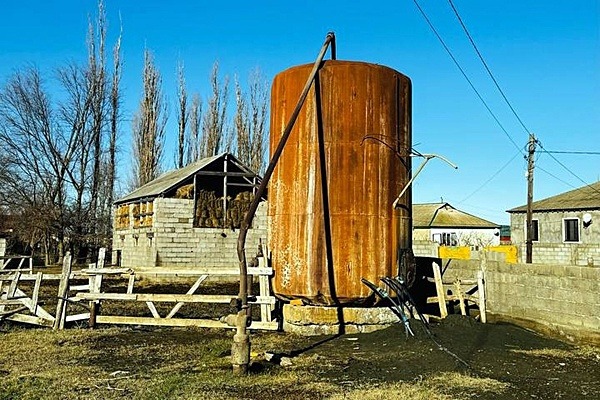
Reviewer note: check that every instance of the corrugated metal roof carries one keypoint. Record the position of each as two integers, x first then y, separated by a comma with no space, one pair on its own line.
584,198
169,180
443,215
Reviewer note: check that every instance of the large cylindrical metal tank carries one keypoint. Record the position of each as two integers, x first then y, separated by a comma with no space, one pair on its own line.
331,220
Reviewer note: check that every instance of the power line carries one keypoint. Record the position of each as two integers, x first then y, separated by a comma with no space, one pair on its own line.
472,41
555,177
464,74
594,153
447,49
568,169
490,178
486,66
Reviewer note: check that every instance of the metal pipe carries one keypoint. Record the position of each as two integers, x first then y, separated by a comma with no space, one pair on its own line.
242,342
427,157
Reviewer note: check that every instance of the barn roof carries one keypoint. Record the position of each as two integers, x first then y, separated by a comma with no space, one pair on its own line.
443,215
171,179
583,198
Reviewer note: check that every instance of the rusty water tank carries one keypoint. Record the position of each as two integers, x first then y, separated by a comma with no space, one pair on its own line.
355,127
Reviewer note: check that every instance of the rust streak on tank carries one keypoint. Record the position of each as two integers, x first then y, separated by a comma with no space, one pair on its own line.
363,179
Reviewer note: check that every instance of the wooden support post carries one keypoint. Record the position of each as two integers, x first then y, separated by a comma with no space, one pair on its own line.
153,309
36,293
264,290
439,287
10,289
1,293
192,290
481,290
63,288
461,299
130,283
13,286
95,282
31,265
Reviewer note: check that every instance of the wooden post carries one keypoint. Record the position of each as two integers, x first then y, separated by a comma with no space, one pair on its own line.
95,282
439,287
459,295
63,289
481,290
192,290
130,283
264,290
36,293
10,289
529,214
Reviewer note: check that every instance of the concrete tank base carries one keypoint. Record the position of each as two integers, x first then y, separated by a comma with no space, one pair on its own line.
318,320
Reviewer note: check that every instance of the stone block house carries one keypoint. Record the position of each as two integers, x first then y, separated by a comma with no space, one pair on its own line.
189,217
440,224
566,227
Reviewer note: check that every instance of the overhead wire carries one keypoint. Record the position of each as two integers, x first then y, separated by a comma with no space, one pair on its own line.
556,177
490,178
464,74
594,153
487,68
568,169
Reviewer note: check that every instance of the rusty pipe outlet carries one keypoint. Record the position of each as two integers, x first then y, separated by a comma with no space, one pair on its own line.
240,349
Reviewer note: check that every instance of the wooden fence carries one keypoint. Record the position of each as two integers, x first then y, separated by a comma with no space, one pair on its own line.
23,263
465,292
19,302
19,306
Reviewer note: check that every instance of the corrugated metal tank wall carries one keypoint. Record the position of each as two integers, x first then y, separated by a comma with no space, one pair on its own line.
363,178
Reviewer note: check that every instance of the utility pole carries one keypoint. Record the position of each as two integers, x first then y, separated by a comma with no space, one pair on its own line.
530,161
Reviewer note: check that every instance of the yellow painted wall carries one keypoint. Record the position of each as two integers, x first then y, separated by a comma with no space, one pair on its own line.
511,252
464,252
456,252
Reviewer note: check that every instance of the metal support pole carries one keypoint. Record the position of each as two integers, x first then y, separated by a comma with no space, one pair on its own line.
240,350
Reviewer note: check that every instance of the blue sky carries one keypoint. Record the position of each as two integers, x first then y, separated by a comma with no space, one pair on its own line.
545,55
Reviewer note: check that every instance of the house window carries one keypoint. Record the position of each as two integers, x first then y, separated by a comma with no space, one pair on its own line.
535,230
571,229
446,239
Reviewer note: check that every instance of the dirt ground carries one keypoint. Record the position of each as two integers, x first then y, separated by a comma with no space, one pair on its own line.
523,364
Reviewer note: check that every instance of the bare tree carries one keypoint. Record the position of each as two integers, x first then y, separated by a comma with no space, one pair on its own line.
97,85
55,160
149,126
115,104
182,115
250,121
213,122
194,149
40,155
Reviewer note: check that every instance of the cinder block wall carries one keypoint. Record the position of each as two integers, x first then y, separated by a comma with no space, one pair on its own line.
425,248
173,242
551,248
555,299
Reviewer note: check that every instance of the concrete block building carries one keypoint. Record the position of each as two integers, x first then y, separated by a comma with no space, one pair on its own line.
566,228
189,217
443,224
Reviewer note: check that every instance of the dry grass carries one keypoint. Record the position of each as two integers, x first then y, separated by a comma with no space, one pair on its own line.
581,352
175,363
392,391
